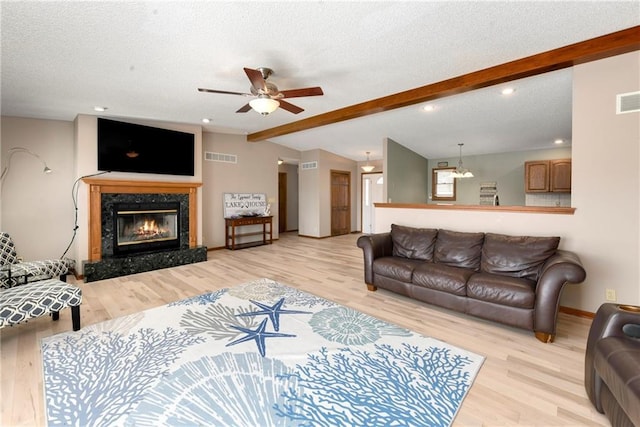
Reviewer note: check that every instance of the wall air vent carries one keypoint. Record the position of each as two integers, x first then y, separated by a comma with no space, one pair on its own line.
309,165
628,102
220,157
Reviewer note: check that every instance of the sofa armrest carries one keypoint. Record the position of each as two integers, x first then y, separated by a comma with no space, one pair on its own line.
374,246
562,268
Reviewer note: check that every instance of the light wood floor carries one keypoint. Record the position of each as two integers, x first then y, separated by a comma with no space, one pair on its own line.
522,381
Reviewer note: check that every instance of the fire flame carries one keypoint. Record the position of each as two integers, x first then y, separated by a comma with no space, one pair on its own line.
149,227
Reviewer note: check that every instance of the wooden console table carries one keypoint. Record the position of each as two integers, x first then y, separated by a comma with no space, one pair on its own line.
231,235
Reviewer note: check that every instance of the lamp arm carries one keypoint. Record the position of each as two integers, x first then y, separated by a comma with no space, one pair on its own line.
14,150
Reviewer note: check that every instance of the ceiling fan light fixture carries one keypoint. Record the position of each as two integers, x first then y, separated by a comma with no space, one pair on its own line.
264,105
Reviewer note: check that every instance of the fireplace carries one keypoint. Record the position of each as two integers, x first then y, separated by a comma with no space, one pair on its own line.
137,226
145,227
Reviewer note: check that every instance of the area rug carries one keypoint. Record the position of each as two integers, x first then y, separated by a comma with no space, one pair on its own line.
256,354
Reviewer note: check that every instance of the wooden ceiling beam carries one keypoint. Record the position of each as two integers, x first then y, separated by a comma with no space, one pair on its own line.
613,44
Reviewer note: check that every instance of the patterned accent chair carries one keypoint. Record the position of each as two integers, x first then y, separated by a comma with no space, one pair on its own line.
14,271
35,299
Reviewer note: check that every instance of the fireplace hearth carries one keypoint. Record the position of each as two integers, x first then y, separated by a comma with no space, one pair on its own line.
138,226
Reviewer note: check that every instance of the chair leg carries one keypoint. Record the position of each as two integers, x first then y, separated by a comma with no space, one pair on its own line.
75,317
55,315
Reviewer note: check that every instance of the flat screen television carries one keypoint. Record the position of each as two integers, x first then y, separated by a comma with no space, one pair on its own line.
127,147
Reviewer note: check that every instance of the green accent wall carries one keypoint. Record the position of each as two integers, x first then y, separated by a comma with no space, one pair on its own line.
406,174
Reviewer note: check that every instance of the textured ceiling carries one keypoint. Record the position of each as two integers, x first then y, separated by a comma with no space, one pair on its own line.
144,60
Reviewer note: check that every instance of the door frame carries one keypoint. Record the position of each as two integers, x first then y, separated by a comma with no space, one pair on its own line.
363,175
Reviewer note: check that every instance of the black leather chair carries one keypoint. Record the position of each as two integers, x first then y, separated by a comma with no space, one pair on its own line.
612,364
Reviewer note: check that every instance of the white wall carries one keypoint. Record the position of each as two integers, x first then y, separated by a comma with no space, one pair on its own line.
309,196
606,167
36,208
604,230
315,192
255,172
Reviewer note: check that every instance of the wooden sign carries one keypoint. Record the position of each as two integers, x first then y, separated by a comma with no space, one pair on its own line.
245,204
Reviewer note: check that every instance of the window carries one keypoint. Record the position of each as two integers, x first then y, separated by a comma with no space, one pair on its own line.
443,185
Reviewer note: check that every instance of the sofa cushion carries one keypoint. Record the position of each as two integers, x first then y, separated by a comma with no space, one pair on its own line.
502,290
458,249
396,267
442,277
516,256
414,243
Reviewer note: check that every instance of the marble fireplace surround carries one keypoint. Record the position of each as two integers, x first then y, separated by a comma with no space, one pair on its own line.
98,187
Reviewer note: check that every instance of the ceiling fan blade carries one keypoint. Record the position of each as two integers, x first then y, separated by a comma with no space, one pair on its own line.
255,76
307,91
244,108
290,107
200,89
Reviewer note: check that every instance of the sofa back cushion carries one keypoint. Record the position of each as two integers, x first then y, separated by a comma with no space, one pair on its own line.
414,243
459,249
516,256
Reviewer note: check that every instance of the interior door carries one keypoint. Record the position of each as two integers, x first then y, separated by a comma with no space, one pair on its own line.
282,202
372,192
340,203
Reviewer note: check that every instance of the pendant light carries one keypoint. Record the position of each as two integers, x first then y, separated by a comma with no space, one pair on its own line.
367,167
460,171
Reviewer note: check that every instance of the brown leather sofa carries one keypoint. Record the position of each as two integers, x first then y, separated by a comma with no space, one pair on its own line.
514,280
612,364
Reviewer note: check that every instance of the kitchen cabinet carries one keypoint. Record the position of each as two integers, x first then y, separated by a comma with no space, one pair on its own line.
548,176
560,176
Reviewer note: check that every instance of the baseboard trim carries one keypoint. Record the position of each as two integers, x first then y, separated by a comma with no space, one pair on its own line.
217,248
576,312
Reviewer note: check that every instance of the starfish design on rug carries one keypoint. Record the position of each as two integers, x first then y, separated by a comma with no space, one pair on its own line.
273,311
259,335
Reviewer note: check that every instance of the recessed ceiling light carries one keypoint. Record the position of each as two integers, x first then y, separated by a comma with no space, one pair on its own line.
558,141
205,120
428,107
508,90
98,108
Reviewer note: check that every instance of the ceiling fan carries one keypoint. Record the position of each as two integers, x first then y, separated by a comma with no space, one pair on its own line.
267,95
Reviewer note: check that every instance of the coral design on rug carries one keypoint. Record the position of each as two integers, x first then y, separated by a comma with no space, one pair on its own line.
257,354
